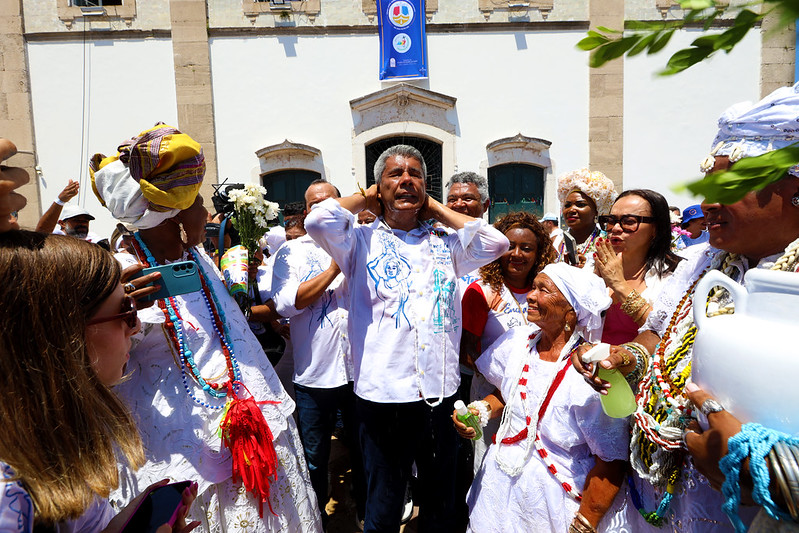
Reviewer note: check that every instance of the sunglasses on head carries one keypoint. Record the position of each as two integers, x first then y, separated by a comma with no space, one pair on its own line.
629,223
128,314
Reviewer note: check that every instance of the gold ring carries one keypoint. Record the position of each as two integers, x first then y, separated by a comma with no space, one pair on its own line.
625,358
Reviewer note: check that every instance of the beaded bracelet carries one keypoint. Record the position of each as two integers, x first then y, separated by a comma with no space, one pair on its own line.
754,441
483,408
641,362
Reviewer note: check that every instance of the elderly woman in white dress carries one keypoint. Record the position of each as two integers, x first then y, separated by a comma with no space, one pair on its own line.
209,405
558,461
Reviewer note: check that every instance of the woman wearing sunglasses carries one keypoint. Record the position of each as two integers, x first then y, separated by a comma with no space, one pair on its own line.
634,260
67,325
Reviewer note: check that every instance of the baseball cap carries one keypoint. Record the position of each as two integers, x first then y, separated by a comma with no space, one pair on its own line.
549,216
692,212
72,211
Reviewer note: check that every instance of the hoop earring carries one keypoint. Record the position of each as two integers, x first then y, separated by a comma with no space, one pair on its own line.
183,237
795,200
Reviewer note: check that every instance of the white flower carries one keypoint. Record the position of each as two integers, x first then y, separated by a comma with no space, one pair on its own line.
272,210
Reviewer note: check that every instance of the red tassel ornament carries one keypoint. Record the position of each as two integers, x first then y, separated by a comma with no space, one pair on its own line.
246,434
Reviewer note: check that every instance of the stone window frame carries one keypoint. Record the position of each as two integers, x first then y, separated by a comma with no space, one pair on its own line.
403,109
528,151
253,8
369,8
289,155
67,13
487,7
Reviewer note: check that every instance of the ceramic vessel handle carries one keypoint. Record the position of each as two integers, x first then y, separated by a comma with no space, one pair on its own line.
710,280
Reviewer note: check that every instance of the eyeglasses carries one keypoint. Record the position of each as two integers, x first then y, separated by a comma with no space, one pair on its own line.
128,314
629,223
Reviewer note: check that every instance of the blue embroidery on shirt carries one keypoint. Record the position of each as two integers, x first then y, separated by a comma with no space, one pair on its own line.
19,501
391,274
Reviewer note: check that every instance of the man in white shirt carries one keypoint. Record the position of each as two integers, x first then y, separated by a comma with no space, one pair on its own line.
308,287
404,329
467,193
550,223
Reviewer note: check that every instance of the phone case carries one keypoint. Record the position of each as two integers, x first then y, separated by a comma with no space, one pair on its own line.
176,278
160,506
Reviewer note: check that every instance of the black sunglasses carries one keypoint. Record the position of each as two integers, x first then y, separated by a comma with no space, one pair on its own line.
128,314
629,223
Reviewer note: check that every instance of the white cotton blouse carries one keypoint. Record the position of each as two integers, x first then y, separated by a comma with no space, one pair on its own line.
405,313
180,435
573,430
319,331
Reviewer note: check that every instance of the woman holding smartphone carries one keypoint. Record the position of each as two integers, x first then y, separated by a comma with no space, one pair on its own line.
67,324
198,374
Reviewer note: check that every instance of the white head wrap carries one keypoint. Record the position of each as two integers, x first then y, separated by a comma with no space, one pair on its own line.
585,292
747,130
593,184
124,197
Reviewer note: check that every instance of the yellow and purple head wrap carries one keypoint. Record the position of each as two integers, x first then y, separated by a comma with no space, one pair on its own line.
154,176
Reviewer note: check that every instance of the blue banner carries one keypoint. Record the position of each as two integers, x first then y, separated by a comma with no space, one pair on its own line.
403,41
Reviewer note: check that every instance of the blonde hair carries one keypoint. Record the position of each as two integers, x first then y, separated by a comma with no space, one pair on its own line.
62,424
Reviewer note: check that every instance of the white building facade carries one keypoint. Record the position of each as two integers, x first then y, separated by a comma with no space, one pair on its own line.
279,93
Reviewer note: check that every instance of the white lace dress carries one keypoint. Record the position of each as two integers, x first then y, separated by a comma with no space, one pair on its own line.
573,430
180,435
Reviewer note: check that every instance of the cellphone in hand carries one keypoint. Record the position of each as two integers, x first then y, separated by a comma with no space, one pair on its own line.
159,507
176,278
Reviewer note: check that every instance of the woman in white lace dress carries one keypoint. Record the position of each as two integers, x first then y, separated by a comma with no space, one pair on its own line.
497,301
196,356
558,460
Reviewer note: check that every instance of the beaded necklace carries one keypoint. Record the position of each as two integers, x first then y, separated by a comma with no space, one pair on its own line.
532,424
662,410
174,329
583,248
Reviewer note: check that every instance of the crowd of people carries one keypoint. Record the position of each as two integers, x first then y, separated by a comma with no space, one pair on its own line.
394,306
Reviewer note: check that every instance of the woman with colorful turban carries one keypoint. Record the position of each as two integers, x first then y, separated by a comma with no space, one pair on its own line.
209,405
583,195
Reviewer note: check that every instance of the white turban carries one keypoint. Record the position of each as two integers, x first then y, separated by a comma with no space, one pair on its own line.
593,184
749,130
124,197
585,292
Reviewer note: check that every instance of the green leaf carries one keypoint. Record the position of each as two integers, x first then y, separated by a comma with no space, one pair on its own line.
748,174
612,50
661,42
608,30
642,45
685,58
589,43
697,5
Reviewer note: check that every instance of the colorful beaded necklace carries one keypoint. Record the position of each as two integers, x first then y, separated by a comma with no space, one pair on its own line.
534,423
174,329
663,412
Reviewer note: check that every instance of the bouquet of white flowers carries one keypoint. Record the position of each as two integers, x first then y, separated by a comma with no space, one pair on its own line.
252,214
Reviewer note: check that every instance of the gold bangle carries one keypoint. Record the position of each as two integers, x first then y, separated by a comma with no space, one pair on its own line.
633,304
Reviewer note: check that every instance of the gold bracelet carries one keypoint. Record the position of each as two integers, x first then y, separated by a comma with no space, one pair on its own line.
633,303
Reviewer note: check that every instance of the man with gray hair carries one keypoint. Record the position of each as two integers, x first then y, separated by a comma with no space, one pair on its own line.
467,193
404,330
